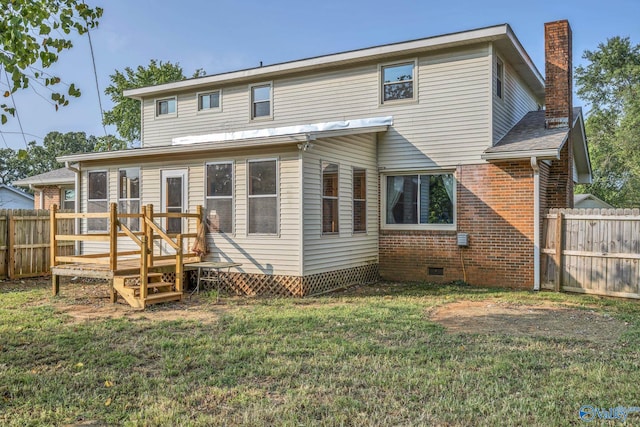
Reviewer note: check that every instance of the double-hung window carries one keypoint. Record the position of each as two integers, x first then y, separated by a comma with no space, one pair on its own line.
263,196
359,200
97,199
220,197
398,82
420,199
129,196
68,199
166,107
330,221
261,101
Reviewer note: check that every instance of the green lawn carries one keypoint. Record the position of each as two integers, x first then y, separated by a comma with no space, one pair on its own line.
367,357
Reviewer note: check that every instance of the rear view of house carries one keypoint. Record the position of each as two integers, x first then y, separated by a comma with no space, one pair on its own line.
430,159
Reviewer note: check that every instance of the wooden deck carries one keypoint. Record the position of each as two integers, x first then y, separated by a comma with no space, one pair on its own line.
126,267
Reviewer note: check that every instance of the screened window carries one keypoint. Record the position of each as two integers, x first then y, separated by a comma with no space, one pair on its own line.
97,200
420,199
263,197
209,101
166,106
260,101
397,82
359,200
129,196
499,78
329,198
220,197
68,199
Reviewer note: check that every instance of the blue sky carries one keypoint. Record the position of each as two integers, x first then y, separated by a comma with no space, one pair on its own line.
226,35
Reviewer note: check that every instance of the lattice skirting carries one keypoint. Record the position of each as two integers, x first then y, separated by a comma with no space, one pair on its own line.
296,286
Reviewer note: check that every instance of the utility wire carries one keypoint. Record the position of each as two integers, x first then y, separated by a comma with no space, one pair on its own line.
24,137
95,75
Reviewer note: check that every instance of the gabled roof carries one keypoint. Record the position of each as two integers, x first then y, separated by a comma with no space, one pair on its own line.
16,191
531,138
60,176
502,35
579,198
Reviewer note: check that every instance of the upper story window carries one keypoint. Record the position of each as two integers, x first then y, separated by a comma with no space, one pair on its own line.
166,107
330,220
209,101
499,78
263,196
129,196
359,200
398,82
420,199
97,199
219,196
261,101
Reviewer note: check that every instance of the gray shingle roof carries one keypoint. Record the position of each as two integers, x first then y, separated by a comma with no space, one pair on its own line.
530,134
54,177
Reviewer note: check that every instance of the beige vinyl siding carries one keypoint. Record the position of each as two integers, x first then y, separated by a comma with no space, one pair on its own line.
517,101
448,125
346,249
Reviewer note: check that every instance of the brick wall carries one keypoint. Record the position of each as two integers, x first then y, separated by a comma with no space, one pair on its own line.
51,196
495,206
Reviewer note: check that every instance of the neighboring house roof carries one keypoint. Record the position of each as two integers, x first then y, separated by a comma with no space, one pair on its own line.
501,35
60,176
589,200
248,138
531,138
17,192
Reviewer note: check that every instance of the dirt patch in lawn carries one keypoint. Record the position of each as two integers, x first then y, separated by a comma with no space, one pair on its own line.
490,317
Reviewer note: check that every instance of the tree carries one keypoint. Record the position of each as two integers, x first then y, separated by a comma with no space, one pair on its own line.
610,82
32,34
125,115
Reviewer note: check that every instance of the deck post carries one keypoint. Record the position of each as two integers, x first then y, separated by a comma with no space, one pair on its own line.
558,255
179,265
198,224
150,236
113,237
144,270
53,248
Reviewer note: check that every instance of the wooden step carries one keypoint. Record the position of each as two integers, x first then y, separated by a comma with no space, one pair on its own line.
153,288
163,297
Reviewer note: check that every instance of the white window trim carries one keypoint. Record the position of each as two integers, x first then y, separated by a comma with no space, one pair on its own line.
156,114
232,197
322,197
63,197
381,101
365,200
97,200
277,196
502,78
208,110
270,116
383,202
139,198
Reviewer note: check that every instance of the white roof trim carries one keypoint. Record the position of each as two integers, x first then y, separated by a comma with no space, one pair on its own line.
548,154
312,130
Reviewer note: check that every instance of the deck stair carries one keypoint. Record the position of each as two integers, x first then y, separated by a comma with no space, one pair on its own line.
129,288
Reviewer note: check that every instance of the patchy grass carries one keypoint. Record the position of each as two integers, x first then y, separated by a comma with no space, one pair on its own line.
367,356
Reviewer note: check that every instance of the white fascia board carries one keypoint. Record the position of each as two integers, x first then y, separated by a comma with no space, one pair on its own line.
332,60
550,154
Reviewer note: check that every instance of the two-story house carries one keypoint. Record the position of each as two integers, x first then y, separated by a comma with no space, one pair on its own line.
430,159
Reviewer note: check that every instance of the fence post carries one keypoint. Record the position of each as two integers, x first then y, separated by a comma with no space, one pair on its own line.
558,254
53,248
113,237
11,242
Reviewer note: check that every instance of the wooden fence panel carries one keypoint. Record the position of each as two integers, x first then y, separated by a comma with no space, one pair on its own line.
599,251
25,252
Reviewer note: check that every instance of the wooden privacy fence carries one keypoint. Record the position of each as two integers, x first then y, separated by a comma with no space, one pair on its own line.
25,242
594,251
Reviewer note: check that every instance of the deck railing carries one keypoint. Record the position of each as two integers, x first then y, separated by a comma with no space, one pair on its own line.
149,232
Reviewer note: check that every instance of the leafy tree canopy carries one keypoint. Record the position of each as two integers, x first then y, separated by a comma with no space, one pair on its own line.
125,114
610,82
32,34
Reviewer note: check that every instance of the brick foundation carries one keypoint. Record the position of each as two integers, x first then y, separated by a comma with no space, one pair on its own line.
495,206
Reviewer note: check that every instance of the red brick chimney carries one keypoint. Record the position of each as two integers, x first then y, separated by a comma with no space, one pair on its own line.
559,109
558,71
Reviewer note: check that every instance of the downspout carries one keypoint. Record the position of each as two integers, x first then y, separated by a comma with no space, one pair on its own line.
76,189
536,223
